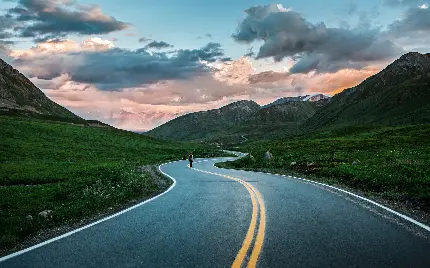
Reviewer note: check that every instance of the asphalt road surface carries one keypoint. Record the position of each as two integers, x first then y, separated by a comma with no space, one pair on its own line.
222,218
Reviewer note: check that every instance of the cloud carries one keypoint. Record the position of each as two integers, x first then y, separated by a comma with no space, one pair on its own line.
4,51
415,20
250,52
126,110
332,83
114,68
267,77
158,45
47,19
235,72
207,35
144,40
286,33
145,106
5,35
6,22
55,46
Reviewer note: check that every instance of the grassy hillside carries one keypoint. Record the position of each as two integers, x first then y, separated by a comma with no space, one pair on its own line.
282,113
227,124
390,161
206,124
75,171
398,95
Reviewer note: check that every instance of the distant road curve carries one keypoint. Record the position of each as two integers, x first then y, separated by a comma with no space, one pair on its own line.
219,218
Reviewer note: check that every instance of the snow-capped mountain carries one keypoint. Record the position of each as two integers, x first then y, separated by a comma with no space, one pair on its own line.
309,98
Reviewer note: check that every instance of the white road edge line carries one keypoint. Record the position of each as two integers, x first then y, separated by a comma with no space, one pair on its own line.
422,225
91,224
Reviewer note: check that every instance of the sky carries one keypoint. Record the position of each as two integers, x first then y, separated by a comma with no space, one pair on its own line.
137,64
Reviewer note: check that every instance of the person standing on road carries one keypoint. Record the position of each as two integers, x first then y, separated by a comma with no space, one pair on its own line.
191,159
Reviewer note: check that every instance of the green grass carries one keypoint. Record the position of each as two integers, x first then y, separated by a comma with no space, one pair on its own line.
76,171
391,161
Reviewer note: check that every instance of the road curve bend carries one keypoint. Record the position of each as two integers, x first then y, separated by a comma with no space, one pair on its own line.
228,218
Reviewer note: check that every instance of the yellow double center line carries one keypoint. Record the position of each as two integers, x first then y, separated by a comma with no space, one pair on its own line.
257,202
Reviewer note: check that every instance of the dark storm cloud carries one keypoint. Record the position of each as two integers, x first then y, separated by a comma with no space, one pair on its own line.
6,22
115,69
158,45
315,46
414,20
5,35
60,18
211,52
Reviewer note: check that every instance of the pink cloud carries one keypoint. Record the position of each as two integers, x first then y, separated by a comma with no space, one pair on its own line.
147,106
122,110
63,46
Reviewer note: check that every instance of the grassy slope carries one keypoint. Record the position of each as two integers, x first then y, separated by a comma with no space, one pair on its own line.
73,170
402,102
204,124
222,125
392,161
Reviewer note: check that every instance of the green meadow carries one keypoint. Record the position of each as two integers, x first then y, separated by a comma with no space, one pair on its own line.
75,171
393,162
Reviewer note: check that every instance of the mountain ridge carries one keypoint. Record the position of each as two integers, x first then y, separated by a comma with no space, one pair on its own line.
17,92
202,124
235,118
397,95
311,98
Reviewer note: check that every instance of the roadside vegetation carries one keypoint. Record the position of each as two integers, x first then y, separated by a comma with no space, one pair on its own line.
393,162
57,173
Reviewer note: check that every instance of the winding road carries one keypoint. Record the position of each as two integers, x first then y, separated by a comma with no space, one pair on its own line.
215,217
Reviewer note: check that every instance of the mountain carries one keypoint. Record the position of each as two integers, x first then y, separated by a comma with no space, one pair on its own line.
285,100
293,111
19,95
201,125
309,98
236,119
273,122
398,95
316,97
